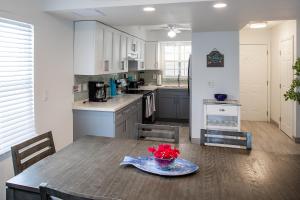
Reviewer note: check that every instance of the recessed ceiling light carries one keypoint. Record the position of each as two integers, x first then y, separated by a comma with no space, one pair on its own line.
149,9
220,5
258,25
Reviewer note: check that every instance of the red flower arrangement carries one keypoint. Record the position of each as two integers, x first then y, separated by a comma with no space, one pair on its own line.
164,151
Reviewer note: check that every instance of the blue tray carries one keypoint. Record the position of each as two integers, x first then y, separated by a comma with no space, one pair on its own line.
180,166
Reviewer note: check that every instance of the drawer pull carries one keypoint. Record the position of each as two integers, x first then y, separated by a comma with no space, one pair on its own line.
222,110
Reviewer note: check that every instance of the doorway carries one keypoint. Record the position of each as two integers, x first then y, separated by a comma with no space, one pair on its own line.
254,77
286,77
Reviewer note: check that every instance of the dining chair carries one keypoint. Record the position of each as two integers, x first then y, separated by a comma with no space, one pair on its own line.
31,151
49,193
163,133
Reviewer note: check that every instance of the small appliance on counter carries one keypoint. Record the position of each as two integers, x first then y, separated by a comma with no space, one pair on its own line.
113,87
97,91
133,84
158,80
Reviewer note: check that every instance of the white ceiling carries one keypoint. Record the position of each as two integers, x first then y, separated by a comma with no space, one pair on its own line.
200,14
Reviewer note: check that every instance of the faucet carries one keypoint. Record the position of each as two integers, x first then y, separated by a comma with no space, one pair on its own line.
178,79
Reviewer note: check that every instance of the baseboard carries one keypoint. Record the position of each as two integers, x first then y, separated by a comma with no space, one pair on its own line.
297,140
195,140
274,122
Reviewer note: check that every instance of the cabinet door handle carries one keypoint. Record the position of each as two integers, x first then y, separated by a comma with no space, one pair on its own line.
222,110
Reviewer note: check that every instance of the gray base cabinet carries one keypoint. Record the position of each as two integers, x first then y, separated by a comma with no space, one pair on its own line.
173,104
120,124
127,119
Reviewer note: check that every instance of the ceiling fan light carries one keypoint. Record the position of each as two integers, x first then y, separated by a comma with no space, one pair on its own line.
172,34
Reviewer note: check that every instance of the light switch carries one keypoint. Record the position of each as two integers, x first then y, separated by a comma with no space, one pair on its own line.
45,96
211,84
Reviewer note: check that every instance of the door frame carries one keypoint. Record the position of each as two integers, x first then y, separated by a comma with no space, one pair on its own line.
269,75
292,37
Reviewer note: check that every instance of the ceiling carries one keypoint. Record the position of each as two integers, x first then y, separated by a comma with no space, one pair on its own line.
199,13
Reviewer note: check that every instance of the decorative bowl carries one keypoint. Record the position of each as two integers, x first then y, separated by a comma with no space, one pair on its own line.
221,97
164,163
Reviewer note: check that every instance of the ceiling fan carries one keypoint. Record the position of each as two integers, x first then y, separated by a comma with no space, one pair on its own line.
174,29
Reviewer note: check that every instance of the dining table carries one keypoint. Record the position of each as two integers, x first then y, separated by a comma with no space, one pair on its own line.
91,166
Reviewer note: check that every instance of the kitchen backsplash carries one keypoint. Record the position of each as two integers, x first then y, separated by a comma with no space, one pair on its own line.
149,77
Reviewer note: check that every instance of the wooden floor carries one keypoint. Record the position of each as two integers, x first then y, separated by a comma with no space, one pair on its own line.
273,165
266,137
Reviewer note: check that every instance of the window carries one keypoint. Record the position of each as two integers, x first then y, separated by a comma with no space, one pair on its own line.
175,59
16,83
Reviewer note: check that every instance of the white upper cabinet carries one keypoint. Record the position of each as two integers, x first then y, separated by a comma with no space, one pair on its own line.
132,48
116,64
108,50
88,48
123,54
152,56
99,49
141,55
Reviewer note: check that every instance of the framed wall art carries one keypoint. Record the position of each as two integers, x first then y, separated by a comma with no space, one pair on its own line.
215,59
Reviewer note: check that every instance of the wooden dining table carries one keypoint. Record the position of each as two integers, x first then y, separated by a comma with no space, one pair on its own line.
91,166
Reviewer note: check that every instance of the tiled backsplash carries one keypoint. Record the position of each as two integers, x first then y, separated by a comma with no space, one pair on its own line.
147,75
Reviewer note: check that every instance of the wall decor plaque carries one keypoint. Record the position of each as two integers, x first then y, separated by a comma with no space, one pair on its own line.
215,59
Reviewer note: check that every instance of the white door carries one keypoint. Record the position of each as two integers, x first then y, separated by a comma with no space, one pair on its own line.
286,72
254,82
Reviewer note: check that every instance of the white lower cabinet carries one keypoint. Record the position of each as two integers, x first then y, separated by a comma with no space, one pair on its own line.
223,116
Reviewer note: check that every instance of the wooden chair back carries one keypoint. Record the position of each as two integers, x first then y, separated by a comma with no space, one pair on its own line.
164,132
48,193
31,151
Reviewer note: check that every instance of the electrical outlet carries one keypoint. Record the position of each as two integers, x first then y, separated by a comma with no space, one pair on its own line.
84,87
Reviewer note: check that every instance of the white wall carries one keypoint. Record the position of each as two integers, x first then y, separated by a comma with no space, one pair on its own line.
226,80
278,33
161,35
251,36
53,74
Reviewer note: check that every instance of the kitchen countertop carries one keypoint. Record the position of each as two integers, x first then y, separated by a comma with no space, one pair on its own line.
112,105
155,87
214,102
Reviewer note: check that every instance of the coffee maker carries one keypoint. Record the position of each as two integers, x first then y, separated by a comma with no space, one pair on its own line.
97,91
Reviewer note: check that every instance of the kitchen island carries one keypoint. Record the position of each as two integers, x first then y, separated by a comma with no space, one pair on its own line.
115,118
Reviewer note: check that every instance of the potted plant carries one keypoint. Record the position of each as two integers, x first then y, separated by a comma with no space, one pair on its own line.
164,155
294,92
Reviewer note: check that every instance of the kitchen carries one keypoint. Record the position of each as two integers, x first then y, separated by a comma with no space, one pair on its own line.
90,77
115,72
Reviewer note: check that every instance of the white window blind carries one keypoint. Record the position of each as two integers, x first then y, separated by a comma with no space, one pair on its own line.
16,83
175,59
